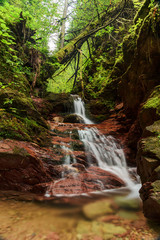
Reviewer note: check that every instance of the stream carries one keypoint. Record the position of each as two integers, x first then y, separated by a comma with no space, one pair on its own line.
95,197
103,154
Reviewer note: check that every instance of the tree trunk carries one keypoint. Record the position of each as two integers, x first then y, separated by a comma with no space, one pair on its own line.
62,35
70,50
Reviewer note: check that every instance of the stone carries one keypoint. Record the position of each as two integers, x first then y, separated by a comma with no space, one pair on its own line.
97,209
73,118
106,231
127,203
21,166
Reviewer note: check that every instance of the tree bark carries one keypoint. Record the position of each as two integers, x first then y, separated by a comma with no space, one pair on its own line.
62,35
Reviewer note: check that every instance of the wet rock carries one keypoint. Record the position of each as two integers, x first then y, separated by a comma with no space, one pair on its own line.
98,209
80,167
150,194
127,203
79,180
106,231
73,118
58,119
20,166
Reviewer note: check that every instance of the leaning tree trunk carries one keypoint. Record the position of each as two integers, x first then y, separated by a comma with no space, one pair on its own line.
71,49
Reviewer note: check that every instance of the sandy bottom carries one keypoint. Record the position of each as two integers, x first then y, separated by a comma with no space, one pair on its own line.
99,220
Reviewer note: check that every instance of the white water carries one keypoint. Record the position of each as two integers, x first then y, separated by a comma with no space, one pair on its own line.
101,151
108,153
69,157
79,109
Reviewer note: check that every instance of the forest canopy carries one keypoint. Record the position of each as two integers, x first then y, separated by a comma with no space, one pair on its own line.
76,26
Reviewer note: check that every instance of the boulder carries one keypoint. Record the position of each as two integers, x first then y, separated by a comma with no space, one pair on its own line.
73,118
79,180
98,209
20,166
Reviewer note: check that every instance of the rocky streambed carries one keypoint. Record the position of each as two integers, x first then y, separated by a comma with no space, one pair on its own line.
108,218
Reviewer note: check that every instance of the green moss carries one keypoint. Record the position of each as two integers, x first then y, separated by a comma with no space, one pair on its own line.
11,127
154,128
151,147
156,186
21,128
143,11
154,100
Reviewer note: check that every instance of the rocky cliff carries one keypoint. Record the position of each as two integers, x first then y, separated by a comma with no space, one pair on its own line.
139,90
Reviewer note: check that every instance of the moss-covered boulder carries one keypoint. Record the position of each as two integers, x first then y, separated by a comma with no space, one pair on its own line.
148,157
148,163
61,102
73,118
19,119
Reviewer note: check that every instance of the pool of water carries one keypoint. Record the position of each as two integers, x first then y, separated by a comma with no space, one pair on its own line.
106,218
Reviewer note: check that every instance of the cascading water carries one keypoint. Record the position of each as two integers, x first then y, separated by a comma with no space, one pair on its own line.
108,153
103,156
80,108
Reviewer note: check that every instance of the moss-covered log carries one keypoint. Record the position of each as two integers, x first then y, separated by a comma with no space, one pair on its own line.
71,49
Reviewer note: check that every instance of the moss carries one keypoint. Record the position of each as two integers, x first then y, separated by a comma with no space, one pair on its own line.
20,151
154,128
151,147
21,128
11,127
154,100
143,11
156,186
19,118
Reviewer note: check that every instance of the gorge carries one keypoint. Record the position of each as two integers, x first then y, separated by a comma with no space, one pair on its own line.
80,127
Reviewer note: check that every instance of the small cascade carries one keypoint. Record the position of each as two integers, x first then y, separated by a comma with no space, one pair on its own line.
69,156
79,108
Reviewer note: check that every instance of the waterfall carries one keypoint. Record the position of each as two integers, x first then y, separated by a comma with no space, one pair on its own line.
101,152
79,108
108,153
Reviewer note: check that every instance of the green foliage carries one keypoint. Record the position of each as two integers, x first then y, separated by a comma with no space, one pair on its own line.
85,12
9,60
59,83
99,79
40,16
108,30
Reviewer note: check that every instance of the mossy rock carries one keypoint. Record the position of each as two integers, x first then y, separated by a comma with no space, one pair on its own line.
77,146
61,102
96,230
25,129
151,147
97,209
154,100
73,118
19,104
151,205
19,118
148,157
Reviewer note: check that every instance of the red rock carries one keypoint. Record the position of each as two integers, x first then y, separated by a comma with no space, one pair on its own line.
21,166
78,182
